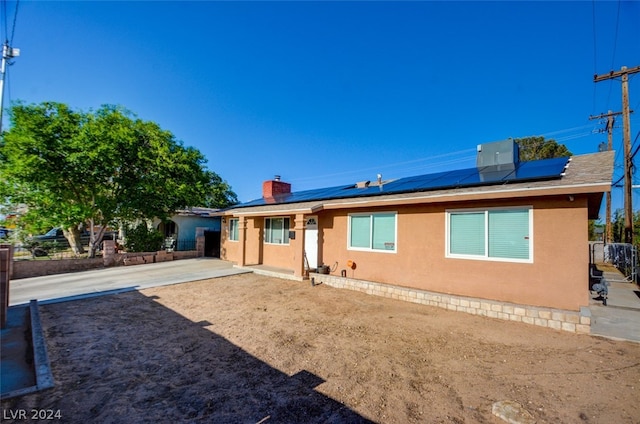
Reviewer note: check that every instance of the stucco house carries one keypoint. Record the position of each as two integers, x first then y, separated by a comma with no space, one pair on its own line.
506,239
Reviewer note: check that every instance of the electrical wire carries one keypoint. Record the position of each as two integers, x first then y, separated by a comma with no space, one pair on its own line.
574,136
618,153
13,26
437,164
595,56
613,55
387,166
615,38
551,133
4,17
634,143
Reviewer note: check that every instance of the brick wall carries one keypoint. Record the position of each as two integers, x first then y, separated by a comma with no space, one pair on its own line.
274,188
27,269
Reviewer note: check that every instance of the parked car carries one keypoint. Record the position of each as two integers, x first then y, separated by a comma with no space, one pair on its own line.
56,235
5,233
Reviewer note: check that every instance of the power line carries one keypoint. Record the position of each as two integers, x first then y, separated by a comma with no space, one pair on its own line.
623,74
4,13
571,137
551,133
391,165
615,39
15,18
613,55
634,143
595,56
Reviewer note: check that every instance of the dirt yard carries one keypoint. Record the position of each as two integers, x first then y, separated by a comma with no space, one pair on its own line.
253,349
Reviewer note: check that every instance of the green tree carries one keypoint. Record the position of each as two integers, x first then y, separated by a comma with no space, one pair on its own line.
617,226
533,148
73,169
141,238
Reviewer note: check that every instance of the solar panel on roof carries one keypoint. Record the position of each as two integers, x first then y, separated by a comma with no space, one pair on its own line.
541,169
525,171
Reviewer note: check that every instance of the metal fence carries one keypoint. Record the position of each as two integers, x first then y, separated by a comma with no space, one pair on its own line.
61,251
21,252
183,245
623,256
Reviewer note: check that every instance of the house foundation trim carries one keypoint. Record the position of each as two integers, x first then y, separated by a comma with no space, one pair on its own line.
572,321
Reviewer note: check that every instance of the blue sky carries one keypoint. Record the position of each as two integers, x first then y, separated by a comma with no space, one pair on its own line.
332,93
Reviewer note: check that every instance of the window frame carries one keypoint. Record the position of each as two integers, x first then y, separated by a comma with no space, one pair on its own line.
285,230
449,212
234,231
371,230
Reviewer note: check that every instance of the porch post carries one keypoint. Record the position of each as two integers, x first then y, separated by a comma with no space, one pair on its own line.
242,236
200,242
298,246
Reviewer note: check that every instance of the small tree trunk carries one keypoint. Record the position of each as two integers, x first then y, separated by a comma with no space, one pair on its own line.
73,236
95,239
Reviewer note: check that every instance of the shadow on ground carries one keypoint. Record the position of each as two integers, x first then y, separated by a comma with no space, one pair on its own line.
118,363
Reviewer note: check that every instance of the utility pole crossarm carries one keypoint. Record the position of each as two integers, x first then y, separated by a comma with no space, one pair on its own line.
608,231
624,73
616,74
606,115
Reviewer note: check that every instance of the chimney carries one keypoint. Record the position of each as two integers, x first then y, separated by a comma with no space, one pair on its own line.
275,187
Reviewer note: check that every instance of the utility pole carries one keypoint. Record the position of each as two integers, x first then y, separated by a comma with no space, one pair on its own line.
623,73
7,53
609,128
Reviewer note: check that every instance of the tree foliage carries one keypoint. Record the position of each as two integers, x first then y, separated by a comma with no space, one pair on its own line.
533,148
141,238
74,169
618,227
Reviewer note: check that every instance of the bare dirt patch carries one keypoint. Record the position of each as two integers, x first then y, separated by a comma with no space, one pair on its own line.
249,349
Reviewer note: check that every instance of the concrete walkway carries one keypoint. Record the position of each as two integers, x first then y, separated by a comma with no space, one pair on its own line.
78,285
620,319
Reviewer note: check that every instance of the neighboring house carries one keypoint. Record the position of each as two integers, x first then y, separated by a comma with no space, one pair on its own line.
185,226
504,232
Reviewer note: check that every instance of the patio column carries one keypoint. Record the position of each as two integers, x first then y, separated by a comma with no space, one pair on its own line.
298,246
200,241
242,238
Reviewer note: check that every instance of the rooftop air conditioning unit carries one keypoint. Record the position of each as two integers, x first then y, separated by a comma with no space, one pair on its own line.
496,161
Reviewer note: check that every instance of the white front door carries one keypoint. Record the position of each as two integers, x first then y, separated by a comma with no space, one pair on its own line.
311,241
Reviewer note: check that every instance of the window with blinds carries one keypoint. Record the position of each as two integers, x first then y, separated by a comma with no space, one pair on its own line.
276,230
494,234
375,231
233,229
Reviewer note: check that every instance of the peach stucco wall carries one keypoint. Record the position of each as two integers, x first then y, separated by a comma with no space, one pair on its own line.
229,249
558,276
256,251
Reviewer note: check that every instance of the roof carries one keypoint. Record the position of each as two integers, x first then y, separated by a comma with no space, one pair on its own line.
583,174
198,211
